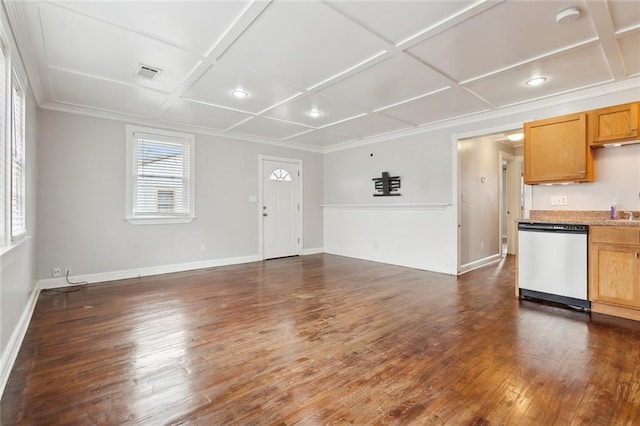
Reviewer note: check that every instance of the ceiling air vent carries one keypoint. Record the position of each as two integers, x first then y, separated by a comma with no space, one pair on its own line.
147,72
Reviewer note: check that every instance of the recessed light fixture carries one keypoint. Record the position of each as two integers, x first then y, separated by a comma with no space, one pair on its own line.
514,137
239,93
567,15
314,113
535,81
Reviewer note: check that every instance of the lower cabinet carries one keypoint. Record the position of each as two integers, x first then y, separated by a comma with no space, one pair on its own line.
614,270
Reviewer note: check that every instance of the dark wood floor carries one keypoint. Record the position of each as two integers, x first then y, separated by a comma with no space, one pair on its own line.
321,340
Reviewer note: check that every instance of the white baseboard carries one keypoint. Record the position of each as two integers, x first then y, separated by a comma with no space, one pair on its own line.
467,267
317,250
15,341
144,272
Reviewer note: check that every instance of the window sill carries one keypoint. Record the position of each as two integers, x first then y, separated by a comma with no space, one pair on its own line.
10,247
160,220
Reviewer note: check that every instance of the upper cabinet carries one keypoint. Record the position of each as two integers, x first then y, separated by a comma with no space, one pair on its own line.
556,150
618,123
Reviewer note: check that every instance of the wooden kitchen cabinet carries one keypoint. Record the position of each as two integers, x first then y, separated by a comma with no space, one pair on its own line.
557,150
614,124
614,270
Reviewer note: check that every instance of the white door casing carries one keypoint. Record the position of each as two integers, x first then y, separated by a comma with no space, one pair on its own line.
280,207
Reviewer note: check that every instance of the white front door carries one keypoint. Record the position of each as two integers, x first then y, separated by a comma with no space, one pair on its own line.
280,208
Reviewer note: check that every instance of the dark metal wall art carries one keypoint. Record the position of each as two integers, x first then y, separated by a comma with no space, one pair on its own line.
386,185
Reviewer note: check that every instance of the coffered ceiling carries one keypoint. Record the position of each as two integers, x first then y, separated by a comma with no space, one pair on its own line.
369,68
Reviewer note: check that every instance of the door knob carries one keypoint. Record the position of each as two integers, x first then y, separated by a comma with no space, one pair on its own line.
264,214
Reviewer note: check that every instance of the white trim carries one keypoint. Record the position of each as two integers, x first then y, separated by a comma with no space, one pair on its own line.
160,220
468,267
299,163
310,251
12,348
431,206
145,272
503,203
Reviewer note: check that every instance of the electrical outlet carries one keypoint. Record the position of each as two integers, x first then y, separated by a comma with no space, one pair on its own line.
56,272
481,245
203,247
559,200
67,271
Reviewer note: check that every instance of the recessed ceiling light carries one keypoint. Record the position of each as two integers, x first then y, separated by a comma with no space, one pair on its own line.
239,93
535,81
314,113
514,137
567,15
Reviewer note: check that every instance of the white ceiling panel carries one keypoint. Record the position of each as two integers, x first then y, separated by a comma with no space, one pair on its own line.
107,95
270,128
320,138
394,80
331,109
371,67
399,20
192,25
215,87
369,125
566,71
507,34
196,114
302,42
441,106
630,51
624,13
77,43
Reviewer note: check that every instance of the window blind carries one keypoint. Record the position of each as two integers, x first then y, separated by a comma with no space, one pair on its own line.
162,176
18,177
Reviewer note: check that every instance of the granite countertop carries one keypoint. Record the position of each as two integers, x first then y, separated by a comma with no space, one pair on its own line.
580,217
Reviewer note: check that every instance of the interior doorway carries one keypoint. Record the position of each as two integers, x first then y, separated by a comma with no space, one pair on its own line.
489,198
510,201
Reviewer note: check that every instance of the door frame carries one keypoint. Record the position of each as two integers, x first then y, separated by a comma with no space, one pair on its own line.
261,160
457,182
511,161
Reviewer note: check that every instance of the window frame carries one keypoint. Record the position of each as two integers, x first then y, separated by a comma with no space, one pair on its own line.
17,85
131,176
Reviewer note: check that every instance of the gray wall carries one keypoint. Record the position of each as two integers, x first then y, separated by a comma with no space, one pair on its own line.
18,266
426,164
82,202
423,162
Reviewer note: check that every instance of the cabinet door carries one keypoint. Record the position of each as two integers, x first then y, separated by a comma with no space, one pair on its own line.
616,123
614,275
556,150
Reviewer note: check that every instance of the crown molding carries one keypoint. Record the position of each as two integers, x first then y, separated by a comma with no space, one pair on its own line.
24,48
168,125
524,107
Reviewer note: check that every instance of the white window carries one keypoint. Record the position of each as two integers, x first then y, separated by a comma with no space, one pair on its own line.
18,172
280,174
160,176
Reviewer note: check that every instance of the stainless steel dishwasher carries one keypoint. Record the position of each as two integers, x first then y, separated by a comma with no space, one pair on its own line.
552,263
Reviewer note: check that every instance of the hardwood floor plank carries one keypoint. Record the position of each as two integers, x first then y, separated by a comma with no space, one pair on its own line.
320,340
